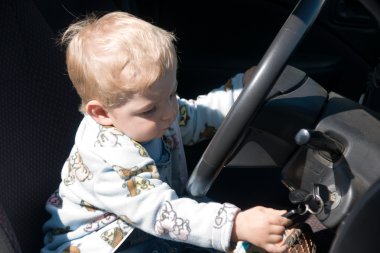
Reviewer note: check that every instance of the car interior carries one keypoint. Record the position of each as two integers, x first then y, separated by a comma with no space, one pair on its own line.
329,88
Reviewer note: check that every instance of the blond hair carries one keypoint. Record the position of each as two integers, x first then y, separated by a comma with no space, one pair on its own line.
117,55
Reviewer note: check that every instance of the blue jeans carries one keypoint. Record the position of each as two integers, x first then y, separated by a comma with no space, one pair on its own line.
140,242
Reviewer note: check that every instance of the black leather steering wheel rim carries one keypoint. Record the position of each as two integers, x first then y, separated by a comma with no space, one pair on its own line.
222,145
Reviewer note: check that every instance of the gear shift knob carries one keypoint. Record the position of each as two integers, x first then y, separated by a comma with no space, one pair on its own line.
319,141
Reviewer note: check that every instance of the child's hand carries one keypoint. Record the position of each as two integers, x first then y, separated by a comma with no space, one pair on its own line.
261,226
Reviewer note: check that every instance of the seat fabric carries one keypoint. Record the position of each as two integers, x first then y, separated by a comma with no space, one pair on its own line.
39,115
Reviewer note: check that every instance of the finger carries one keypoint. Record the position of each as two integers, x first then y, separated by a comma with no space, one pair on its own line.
276,248
279,220
276,230
275,238
285,222
276,211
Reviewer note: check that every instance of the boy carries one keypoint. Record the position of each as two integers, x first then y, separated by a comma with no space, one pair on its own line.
126,170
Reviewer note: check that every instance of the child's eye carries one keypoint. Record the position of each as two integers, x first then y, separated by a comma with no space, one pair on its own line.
174,92
148,112
173,95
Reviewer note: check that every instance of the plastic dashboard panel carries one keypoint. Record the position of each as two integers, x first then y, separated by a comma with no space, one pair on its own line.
343,181
294,102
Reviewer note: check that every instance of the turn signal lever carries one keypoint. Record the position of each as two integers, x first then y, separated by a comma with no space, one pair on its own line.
328,147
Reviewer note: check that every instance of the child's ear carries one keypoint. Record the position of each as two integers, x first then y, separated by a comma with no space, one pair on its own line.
96,110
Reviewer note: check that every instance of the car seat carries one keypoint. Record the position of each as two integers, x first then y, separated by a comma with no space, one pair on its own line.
39,116
8,240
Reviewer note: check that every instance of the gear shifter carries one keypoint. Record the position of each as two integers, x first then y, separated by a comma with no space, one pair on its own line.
328,147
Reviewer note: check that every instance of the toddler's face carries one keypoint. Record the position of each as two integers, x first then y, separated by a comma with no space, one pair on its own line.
148,115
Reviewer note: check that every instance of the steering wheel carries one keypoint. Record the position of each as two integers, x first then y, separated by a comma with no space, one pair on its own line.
222,146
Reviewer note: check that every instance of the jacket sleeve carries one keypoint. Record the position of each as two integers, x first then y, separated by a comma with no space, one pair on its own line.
199,119
134,192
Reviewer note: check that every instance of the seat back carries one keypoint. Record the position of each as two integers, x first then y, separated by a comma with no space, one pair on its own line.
8,240
39,116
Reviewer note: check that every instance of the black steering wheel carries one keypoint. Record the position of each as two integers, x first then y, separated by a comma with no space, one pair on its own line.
226,139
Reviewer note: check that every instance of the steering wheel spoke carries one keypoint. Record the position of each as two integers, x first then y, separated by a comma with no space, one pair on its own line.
244,110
